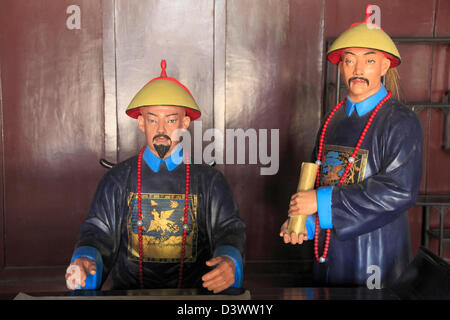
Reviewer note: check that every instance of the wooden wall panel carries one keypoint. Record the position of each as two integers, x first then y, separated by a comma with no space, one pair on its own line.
402,18
52,124
438,178
274,82
2,235
146,32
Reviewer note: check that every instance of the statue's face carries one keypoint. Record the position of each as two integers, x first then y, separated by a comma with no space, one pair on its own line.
362,70
160,125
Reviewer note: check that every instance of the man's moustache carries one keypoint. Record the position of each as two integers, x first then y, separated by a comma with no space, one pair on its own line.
358,78
161,136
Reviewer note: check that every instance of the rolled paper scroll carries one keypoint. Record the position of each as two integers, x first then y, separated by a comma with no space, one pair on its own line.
308,173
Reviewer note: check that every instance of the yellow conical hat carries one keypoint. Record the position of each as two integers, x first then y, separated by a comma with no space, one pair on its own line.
164,91
364,35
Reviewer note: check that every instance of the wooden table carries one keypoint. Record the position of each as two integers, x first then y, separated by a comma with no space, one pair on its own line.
320,293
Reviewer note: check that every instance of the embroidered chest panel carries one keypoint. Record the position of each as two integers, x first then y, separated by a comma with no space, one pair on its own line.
334,161
162,229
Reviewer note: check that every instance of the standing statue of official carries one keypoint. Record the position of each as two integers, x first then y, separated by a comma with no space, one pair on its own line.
369,152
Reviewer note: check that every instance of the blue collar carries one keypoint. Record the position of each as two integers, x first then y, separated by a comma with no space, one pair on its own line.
366,105
171,162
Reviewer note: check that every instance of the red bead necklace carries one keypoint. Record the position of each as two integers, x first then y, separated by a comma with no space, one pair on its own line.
350,162
140,222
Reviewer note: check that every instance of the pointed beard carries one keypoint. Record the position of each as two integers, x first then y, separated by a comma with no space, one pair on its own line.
161,149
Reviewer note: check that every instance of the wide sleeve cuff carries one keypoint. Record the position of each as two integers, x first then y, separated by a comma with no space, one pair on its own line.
311,226
93,281
324,207
235,255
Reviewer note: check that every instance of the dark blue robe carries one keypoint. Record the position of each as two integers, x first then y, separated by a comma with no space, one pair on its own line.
370,240
111,224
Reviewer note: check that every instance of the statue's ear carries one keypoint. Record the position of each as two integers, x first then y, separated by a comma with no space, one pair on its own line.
385,65
140,122
186,122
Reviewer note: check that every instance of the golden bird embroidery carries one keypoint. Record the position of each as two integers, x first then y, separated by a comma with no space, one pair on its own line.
161,223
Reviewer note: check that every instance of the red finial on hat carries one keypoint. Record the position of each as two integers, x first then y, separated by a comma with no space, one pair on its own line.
163,67
368,13
367,20
164,76
369,10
